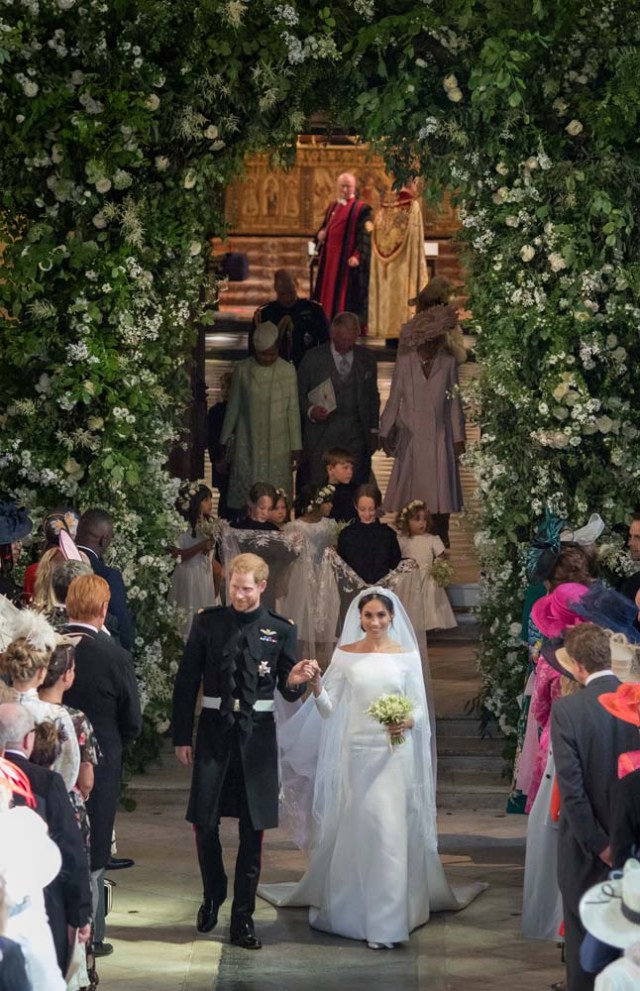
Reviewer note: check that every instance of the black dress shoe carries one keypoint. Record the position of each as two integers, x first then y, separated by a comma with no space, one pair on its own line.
244,935
102,949
207,916
119,863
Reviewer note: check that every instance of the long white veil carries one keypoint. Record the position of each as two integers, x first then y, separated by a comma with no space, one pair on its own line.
312,748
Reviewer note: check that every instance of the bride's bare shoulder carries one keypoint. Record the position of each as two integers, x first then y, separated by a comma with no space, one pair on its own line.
358,648
352,648
396,648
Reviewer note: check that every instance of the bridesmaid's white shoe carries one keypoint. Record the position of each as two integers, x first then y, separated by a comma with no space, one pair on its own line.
381,946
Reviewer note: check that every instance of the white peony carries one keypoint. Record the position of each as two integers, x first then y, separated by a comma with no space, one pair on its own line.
103,185
455,95
195,248
99,221
450,82
502,169
152,102
604,424
531,163
211,132
574,127
527,252
556,262
30,88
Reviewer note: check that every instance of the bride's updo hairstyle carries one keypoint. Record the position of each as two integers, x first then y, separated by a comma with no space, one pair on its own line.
376,597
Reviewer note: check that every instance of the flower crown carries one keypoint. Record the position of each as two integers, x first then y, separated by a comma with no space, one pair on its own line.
188,490
404,513
281,494
325,494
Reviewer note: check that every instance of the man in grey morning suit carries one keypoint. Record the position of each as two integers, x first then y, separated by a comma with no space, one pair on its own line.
354,424
586,742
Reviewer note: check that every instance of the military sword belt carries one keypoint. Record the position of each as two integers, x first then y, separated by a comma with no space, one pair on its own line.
260,705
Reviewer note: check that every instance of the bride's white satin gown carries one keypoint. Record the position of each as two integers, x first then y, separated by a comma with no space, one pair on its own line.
375,874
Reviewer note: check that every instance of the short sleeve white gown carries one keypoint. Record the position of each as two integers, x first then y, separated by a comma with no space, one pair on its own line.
424,548
192,585
374,871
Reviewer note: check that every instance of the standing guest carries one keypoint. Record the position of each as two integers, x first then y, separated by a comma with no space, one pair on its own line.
95,533
301,323
423,424
281,512
339,466
29,860
63,575
416,542
342,282
262,418
15,525
368,546
219,463
68,897
53,523
105,690
239,654
624,704
631,586
587,742
398,264
192,585
353,423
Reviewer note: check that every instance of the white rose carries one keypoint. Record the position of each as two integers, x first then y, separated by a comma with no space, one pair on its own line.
502,169
152,102
450,82
99,221
211,132
162,163
455,95
556,262
560,391
527,252
30,88
531,163
20,118
195,248
103,185
604,424
560,106
189,179
574,127
73,469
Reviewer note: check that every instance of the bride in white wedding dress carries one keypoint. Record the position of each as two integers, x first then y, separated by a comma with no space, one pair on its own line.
374,871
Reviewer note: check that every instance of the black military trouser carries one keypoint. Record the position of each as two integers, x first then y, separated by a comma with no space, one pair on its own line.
249,859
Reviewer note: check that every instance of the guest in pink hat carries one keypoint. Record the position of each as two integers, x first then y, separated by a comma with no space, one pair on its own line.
553,613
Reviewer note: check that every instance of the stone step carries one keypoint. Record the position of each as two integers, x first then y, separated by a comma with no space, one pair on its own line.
463,726
471,799
473,763
470,746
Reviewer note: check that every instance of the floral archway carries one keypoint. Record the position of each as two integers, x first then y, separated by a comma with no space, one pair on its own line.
122,122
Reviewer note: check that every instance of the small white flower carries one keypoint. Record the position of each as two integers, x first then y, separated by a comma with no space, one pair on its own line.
531,163
574,127
152,102
77,77
137,64
30,88
99,221
65,4
162,163
103,185
190,179
95,423
20,118
211,132
450,82
527,252
195,248
455,95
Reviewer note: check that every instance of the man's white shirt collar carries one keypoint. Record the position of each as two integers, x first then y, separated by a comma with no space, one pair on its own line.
599,674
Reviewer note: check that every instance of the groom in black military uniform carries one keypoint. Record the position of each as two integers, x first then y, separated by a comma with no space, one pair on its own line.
240,654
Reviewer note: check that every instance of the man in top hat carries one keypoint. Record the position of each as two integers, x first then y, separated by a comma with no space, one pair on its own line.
261,429
240,654
587,742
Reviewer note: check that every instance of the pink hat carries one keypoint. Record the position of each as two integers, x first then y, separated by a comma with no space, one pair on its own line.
553,614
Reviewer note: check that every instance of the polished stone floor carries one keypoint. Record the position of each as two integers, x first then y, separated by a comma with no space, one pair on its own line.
152,923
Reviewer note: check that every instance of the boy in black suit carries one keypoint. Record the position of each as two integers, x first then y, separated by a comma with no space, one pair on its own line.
339,464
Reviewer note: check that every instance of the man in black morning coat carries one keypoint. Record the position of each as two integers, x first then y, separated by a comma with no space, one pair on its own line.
240,654
587,741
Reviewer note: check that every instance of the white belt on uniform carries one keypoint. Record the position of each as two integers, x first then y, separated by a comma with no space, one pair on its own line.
260,705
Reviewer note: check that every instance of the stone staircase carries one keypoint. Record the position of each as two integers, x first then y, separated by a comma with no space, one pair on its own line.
470,767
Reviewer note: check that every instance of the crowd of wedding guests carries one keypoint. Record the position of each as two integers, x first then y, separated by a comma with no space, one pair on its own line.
578,763
68,704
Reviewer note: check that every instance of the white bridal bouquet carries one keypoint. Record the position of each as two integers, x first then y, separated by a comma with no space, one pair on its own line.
391,710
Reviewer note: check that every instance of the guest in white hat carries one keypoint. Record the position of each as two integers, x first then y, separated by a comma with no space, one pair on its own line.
261,429
610,912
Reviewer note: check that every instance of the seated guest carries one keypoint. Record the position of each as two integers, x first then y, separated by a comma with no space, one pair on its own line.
105,689
95,533
339,465
301,323
68,897
368,546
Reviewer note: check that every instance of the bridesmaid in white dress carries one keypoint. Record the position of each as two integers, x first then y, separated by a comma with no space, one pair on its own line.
192,585
313,523
374,871
425,548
